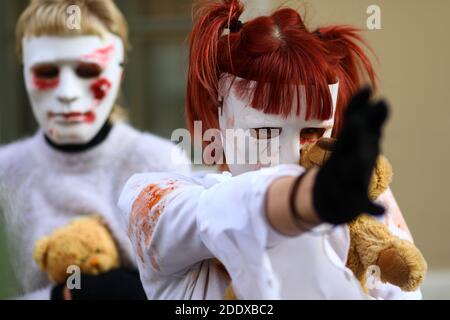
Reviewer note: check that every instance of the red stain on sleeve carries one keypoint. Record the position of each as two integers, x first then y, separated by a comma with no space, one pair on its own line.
145,213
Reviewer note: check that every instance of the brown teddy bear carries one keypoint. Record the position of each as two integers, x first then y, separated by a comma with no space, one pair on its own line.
85,242
372,244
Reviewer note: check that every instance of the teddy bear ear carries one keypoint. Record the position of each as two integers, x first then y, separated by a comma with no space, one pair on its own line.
40,252
381,179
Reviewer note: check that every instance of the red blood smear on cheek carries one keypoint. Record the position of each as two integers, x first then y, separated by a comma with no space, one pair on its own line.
45,84
100,88
89,117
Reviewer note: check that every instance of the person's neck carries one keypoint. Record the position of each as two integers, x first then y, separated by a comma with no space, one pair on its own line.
77,148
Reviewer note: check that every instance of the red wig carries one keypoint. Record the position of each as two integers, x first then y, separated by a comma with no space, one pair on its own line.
280,54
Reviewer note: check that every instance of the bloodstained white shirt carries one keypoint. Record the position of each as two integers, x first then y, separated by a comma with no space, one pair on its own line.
179,225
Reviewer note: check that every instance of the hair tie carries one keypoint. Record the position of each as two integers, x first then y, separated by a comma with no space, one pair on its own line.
235,25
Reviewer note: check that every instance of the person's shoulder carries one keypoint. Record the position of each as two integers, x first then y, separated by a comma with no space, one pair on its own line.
15,158
15,154
158,153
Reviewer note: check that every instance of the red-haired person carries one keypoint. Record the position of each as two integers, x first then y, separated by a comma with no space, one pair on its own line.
83,153
270,228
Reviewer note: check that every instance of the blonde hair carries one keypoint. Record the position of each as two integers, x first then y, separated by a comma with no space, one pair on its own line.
49,17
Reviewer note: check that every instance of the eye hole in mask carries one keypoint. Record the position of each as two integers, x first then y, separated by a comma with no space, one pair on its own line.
265,133
88,70
308,135
46,71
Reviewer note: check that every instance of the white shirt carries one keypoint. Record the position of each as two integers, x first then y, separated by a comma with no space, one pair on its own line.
42,189
178,224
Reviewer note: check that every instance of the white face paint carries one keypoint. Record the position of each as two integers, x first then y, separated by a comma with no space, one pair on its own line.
280,144
72,83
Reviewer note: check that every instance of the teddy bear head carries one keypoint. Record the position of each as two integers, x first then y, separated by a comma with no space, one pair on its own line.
85,242
316,154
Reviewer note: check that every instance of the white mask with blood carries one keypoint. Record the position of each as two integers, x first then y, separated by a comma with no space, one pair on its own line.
271,139
72,83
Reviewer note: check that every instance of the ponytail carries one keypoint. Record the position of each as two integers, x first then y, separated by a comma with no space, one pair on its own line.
211,20
349,63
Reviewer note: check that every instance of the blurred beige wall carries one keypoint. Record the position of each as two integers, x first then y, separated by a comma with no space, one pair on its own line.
413,48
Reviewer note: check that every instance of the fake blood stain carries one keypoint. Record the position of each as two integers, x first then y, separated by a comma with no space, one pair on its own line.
145,213
45,84
88,117
100,88
102,55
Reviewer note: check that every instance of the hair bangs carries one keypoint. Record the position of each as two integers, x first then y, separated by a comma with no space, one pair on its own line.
50,17
294,73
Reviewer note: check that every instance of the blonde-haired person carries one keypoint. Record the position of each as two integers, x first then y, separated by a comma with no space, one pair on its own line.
82,155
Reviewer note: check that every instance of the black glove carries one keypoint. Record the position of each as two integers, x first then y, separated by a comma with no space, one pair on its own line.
119,284
341,189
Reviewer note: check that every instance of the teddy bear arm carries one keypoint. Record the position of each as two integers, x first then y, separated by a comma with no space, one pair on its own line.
354,262
369,237
402,265
400,262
